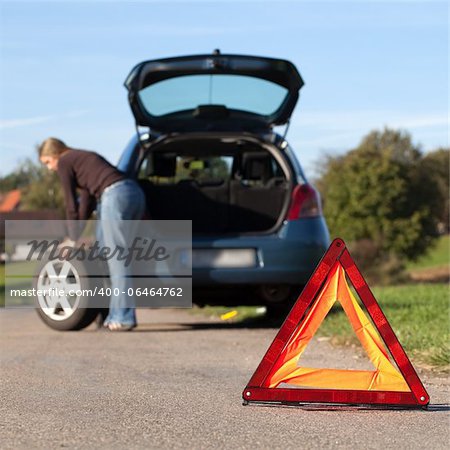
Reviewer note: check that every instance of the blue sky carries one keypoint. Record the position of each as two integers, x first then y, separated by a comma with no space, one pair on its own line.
366,65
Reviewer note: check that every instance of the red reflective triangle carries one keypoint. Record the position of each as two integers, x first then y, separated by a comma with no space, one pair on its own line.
257,390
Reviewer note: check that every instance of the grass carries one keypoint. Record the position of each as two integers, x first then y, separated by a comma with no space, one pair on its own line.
419,315
438,256
243,312
20,277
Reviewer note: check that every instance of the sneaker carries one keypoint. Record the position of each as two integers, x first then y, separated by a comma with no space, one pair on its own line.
115,326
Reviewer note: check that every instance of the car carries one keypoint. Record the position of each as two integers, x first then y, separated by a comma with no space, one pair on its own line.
209,153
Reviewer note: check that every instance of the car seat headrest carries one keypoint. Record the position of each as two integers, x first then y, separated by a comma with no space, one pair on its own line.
162,165
257,166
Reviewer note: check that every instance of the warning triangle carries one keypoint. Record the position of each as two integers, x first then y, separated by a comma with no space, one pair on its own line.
280,378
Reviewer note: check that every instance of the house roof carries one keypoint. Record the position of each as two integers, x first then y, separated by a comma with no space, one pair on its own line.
10,201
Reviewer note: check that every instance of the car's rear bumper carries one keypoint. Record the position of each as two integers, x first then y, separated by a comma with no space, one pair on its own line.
288,256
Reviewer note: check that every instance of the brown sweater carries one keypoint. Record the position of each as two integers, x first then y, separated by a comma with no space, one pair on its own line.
91,174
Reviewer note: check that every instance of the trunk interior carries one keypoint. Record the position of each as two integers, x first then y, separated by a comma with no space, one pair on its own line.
224,185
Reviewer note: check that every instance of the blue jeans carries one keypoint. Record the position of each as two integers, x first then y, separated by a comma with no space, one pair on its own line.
120,204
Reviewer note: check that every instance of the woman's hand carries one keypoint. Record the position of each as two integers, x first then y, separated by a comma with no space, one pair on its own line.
65,246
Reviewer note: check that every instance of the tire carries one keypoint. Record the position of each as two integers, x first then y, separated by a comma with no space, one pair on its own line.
64,313
278,313
280,300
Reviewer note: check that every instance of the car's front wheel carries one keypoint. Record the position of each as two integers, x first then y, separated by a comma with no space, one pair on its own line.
61,301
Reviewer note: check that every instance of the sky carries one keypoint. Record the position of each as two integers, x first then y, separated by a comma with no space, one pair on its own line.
366,65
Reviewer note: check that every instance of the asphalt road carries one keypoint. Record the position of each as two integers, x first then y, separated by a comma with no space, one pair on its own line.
176,382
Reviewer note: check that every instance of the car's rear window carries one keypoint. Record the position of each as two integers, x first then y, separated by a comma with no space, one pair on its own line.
237,92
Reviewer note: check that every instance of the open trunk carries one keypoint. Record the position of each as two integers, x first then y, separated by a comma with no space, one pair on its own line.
224,184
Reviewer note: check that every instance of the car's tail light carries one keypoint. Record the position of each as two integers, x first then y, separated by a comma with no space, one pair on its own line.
305,202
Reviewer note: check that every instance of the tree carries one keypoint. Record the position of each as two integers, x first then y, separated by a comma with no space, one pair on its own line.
381,193
19,178
40,188
438,164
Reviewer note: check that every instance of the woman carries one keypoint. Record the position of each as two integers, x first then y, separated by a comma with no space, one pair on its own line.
118,199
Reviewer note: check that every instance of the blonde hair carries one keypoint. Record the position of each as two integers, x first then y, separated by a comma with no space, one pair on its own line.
52,147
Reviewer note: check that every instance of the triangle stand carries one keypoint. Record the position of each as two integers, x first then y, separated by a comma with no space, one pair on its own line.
384,387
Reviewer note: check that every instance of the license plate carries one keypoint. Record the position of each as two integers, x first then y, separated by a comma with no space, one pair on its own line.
224,258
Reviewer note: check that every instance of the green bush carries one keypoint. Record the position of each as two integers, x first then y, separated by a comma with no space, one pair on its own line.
382,193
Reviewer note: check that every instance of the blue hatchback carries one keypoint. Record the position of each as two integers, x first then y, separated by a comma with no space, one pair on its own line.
209,154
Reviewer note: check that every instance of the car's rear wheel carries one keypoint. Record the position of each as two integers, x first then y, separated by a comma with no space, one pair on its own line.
64,306
279,299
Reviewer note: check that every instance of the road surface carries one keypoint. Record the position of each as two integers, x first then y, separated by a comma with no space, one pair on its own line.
176,382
